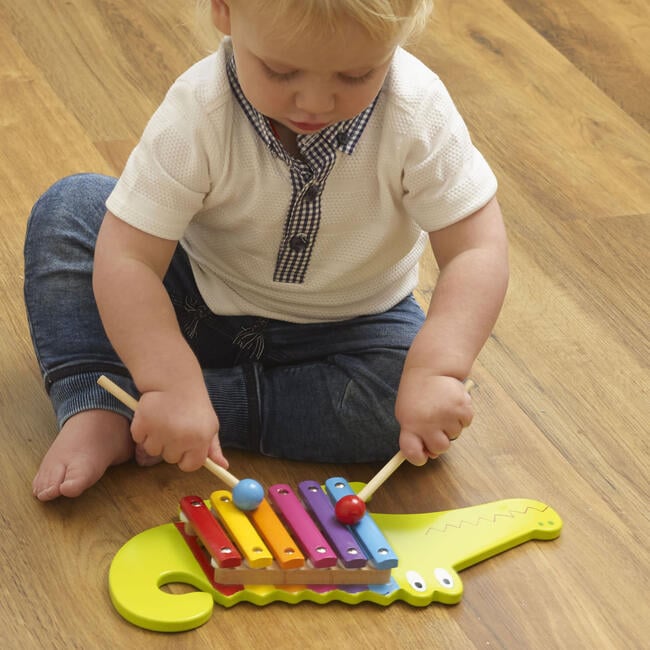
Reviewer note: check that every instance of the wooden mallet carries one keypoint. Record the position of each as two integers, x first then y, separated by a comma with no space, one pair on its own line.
351,508
247,494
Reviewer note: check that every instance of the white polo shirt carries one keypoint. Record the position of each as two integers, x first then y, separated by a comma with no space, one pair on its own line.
334,235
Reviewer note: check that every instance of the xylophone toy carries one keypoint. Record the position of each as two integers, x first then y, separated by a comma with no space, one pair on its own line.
292,548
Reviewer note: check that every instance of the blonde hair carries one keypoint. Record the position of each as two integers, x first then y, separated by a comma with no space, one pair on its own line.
385,20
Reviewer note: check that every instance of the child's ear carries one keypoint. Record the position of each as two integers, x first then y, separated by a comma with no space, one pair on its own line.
221,16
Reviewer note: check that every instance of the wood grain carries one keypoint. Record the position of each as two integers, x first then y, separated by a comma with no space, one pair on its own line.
610,47
557,97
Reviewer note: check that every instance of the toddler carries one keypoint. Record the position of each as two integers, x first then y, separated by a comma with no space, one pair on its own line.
250,274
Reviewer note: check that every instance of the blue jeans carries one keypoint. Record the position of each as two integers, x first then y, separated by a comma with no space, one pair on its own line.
321,392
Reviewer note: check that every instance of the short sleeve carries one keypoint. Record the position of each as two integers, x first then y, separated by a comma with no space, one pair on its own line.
445,177
166,177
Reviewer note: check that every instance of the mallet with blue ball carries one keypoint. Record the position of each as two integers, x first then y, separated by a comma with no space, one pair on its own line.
247,494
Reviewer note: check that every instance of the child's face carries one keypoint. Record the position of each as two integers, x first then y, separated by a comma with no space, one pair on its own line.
305,84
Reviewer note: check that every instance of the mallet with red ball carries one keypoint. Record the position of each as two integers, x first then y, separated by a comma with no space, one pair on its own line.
351,508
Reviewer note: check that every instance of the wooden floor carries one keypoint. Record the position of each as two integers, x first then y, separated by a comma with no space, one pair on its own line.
557,95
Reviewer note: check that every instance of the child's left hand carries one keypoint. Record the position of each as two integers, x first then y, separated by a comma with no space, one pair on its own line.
432,410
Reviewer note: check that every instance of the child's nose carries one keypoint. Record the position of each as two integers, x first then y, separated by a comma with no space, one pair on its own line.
315,99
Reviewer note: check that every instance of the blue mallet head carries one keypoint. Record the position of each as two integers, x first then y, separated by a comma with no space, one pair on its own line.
247,494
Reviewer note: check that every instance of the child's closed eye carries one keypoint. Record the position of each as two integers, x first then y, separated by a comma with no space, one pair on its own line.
278,75
356,79
289,75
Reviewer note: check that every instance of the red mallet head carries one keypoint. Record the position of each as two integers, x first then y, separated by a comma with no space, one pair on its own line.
349,509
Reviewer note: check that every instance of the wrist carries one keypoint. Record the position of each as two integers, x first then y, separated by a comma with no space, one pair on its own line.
167,365
449,360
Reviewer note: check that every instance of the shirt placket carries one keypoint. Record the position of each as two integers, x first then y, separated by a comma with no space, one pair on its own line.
303,219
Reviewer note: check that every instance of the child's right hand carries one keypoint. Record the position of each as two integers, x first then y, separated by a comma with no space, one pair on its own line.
179,424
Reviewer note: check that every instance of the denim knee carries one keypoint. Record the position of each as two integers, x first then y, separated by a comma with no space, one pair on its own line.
62,208
367,410
338,410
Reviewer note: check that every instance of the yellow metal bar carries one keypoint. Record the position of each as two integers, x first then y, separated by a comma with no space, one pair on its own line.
241,530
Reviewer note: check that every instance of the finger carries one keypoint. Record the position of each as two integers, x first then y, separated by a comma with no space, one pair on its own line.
437,443
463,422
413,448
216,453
453,432
190,461
150,446
171,455
137,432
466,418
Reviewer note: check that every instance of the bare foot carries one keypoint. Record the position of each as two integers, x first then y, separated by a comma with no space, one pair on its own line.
86,446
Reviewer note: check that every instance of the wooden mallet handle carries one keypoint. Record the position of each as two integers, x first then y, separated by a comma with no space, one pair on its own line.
387,470
132,403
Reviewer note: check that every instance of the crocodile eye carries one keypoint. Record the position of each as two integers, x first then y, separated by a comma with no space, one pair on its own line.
416,581
444,578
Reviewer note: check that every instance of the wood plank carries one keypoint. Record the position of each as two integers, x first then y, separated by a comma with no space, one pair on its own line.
109,62
563,143
611,47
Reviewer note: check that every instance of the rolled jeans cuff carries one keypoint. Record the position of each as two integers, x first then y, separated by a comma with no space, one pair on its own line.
81,392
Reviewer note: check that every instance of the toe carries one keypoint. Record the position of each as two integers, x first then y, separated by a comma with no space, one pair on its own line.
74,487
46,484
48,494
81,473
